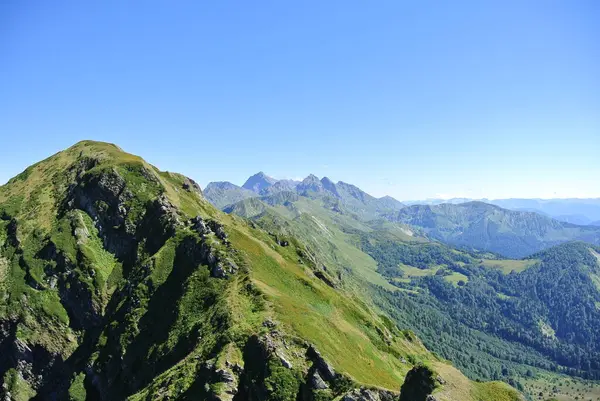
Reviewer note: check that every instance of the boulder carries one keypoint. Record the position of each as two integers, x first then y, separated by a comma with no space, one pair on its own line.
317,382
284,360
326,370
191,185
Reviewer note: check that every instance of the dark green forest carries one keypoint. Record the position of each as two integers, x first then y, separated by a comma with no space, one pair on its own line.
496,325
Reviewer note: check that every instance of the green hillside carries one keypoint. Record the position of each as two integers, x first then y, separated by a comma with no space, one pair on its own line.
119,281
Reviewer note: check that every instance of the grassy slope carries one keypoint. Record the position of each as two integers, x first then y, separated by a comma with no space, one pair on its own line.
349,334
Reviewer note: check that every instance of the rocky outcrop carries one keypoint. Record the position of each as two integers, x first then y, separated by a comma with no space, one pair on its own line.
104,198
418,385
218,229
32,363
325,370
317,382
191,186
364,394
11,232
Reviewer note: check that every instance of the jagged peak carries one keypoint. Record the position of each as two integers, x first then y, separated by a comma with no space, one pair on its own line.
259,182
311,178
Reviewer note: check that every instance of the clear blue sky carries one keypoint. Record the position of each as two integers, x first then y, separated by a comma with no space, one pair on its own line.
408,98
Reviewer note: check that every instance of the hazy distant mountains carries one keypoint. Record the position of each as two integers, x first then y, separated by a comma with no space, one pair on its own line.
576,211
489,227
223,193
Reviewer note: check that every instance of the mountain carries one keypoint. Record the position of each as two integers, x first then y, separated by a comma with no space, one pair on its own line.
578,211
483,226
574,219
311,185
222,194
119,281
259,182
355,200
351,197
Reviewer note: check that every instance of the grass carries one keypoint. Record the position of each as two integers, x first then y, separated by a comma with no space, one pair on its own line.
19,389
458,387
455,278
77,390
102,261
348,345
313,224
509,265
562,388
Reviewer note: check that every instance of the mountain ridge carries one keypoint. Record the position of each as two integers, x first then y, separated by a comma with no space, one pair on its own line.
489,227
361,202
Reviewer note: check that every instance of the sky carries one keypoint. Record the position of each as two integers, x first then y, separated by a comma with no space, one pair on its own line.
415,100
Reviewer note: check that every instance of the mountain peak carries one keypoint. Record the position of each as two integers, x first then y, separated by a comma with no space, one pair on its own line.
259,182
310,184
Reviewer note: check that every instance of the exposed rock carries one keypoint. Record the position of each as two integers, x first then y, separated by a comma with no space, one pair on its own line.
191,185
326,370
218,271
199,226
430,398
269,324
324,278
317,382
225,376
418,384
440,380
283,360
217,228
364,394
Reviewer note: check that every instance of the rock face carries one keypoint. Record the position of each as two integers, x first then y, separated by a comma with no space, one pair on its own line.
364,394
191,186
325,370
317,381
310,184
418,384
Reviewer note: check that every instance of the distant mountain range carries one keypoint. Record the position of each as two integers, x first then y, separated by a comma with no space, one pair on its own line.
573,210
225,194
511,227
483,226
